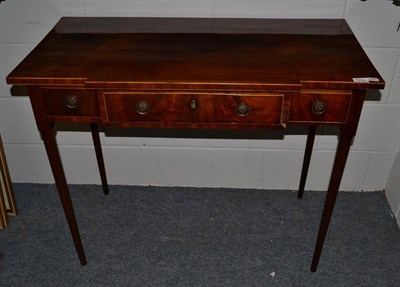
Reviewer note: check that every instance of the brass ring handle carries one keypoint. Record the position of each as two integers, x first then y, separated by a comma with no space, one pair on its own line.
319,107
242,109
71,101
142,107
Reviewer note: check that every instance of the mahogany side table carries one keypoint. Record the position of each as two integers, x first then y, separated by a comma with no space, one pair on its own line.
198,74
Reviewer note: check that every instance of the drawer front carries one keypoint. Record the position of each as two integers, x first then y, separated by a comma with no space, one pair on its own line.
322,108
194,107
71,102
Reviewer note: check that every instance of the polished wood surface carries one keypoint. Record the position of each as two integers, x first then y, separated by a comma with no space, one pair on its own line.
175,108
99,156
198,74
306,160
164,53
337,107
48,136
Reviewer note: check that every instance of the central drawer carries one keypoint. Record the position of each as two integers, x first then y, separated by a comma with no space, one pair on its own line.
175,107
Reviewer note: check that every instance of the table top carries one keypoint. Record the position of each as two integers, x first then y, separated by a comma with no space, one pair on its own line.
252,54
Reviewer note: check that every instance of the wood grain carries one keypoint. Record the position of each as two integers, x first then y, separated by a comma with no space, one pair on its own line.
198,53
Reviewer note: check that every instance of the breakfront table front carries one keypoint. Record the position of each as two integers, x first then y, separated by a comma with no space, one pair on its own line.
198,74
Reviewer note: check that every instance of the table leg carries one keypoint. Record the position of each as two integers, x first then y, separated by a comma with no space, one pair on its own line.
306,160
55,162
99,156
337,172
347,133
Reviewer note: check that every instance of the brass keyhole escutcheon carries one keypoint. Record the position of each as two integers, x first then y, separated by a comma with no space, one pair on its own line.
193,104
242,109
142,107
71,101
319,107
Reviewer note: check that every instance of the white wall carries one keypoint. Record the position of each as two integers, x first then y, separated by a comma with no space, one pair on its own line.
269,164
393,188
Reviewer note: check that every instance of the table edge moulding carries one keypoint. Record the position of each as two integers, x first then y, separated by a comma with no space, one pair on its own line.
198,73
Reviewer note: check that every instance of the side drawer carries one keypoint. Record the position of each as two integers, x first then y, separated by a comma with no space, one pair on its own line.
71,102
320,107
131,107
